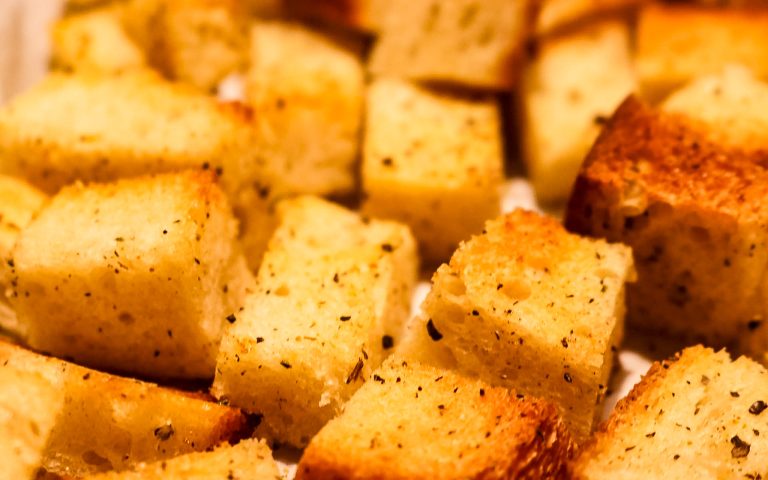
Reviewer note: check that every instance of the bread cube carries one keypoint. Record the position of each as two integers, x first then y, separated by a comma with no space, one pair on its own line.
415,421
466,42
333,293
693,211
528,306
554,15
676,43
249,459
432,160
29,407
308,92
366,16
574,82
109,422
142,281
94,40
699,415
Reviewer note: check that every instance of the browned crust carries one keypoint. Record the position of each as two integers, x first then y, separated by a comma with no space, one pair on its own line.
342,12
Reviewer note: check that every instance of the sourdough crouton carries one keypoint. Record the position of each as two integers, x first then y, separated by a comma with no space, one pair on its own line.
29,407
700,415
677,43
432,160
366,16
94,40
414,421
693,212
467,42
556,14
308,92
109,422
529,306
575,81
333,292
141,282
249,459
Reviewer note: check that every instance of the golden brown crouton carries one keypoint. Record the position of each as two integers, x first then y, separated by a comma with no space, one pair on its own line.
700,416
414,421
362,15
526,305
109,422
556,14
136,276
694,213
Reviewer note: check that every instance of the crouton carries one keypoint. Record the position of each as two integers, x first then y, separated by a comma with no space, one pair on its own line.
466,42
308,92
531,307
94,40
415,421
553,15
29,407
693,212
676,43
432,160
574,82
333,292
700,415
112,423
249,459
366,16
141,281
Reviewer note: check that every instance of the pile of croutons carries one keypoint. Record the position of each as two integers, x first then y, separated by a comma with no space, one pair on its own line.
214,213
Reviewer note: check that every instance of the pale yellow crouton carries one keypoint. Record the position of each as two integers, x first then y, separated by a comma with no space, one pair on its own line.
414,421
432,160
136,276
556,14
308,92
699,415
573,83
529,306
333,292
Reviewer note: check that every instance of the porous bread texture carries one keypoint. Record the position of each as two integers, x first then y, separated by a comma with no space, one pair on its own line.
109,422
529,306
29,407
433,160
333,293
699,415
136,276
572,84
554,15
415,421
365,16
693,211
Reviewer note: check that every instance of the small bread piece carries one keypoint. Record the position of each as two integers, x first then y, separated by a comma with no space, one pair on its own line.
694,213
142,280
308,91
249,459
333,293
432,160
677,43
366,16
556,14
94,40
29,406
531,307
467,42
109,422
700,415
415,421
574,81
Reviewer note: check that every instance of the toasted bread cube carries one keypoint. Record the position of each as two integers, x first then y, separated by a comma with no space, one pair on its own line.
249,459
700,415
529,306
575,81
366,16
467,42
308,92
141,281
676,44
415,421
432,160
554,15
29,407
657,182
94,40
333,293
110,422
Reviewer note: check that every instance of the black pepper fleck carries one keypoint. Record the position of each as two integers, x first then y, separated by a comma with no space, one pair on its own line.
387,342
165,432
434,334
757,407
740,447
231,318
567,377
